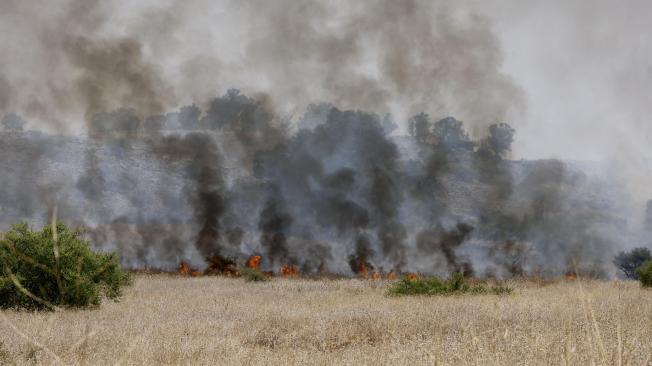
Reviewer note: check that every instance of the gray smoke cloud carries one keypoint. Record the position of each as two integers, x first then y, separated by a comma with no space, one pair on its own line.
5,93
66,63
339,194
587,79
309,165
382,56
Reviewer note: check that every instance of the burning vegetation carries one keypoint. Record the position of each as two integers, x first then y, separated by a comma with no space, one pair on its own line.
254,262
340,188
185,270
341,195
227,267
289,270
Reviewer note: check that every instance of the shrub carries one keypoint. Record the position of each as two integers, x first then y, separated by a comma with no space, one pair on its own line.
628,262
253,275
644,273
434,286
48,268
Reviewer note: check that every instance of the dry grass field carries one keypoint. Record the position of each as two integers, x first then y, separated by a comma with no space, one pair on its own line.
166,319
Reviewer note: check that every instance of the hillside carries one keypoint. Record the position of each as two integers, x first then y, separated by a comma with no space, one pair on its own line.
141,204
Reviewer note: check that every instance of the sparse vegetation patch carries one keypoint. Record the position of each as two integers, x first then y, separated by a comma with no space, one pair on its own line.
644,274
434,286
253,275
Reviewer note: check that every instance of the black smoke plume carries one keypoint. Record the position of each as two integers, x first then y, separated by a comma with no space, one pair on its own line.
239,174
338,194
274,223
198,156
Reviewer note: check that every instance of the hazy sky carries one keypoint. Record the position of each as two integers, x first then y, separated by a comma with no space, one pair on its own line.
586,68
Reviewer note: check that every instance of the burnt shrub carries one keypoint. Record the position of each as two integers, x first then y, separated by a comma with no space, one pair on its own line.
644,273
628,262
55,267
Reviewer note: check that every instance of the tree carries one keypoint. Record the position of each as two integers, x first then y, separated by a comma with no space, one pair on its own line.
251,121
13,122
154,124
189,117
419,127
501,136
629,262
122,122
388,124
451,135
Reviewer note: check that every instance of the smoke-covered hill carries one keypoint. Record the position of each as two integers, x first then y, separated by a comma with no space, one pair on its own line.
338,192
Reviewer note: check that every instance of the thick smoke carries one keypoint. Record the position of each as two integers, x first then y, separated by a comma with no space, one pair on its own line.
76,66
199,158
274,223
404,57
114,71
446,243
340,194
5,93
344,186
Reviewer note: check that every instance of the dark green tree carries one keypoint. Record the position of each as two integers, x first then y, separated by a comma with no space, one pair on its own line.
451,135
500,139
419,127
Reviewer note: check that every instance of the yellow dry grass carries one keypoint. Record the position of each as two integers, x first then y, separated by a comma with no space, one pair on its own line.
220,321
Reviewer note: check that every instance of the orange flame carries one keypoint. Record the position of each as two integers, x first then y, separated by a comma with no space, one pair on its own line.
391,275
253,262
362,270
268,274
289,270
571,275
412,276
184,269
375,275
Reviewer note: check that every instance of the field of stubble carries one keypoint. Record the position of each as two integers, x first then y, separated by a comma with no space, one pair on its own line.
219,321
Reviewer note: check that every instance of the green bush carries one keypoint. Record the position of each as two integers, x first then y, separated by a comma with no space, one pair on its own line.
44,269
434,286
252,275
644,273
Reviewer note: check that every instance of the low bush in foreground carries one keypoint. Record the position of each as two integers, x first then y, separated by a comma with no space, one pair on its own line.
434,286
252,275
55,267
644,273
